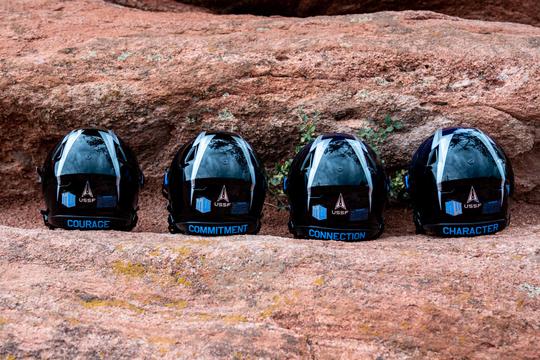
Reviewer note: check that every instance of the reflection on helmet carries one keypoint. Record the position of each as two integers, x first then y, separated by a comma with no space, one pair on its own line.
91,180
460,181
337,190
215,186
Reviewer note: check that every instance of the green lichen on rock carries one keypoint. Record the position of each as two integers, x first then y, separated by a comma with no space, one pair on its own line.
128,268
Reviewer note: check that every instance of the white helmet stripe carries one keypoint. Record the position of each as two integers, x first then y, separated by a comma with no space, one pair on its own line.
488,143
444,143
436,138
203,141
245,151
109,143
359,151
71,138
319,151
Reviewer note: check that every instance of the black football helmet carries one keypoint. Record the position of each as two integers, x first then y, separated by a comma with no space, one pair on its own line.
460,181
215,186
337,190
91,180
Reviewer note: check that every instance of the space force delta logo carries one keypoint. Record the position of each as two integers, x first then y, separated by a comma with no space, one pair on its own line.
472,200
223,199
87,197
340,208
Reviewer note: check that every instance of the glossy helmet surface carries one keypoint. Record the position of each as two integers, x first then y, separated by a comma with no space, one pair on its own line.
215,186
337,190
91,180
460,181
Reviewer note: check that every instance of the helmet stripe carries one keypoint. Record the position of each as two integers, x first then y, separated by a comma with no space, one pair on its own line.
319,151
203,140
488,143
359,151
444,144
109,143
242,143
71,138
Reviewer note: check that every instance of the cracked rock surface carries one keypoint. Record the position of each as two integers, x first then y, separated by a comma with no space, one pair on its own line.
125,295
158,78
521,11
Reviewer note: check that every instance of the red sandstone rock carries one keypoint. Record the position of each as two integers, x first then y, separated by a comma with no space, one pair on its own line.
520,11
158,5
141,295
159,78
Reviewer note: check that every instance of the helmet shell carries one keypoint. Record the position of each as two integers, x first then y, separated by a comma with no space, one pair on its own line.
91,180
337,190
215,186
460,181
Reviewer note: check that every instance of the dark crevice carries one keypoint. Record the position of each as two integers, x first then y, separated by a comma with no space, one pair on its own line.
520,11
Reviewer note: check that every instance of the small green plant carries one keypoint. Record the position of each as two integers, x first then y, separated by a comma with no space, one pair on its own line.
306,129
376,138
397,186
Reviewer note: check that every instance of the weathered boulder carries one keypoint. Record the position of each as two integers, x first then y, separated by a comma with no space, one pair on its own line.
158,5
520,11
159,78
142,295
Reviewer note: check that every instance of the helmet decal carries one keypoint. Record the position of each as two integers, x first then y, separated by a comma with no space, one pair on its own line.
453,208
223,199
472,199
319,212
223,195
340,208
87,196
203,205
68,199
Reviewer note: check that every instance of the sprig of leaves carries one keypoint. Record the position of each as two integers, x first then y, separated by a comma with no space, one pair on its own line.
307,130
375,137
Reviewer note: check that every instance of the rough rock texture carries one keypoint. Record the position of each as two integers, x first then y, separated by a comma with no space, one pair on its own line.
521,11
158,5
159,78
125,295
